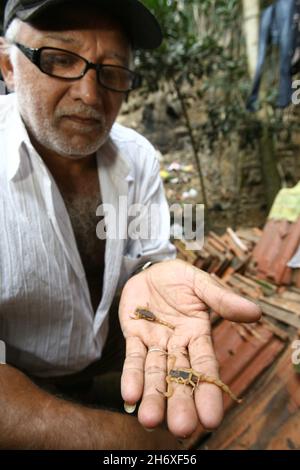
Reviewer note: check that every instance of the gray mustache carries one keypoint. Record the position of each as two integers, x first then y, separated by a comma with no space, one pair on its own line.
85,113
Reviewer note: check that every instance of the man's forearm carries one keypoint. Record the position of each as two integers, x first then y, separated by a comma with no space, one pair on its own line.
30,418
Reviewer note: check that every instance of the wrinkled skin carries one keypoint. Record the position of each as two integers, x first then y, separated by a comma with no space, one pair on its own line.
181,295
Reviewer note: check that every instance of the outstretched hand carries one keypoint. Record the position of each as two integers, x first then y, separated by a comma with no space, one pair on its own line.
182,296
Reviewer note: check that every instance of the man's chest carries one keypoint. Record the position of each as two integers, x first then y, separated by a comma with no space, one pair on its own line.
81,207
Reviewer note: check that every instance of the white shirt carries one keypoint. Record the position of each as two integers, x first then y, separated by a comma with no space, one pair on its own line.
46,317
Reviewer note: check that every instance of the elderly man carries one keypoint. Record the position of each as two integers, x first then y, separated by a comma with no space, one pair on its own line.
61,157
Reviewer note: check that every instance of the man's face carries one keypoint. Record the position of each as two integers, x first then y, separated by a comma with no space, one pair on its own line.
70,118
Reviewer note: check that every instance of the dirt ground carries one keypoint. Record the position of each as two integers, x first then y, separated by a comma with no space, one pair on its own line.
232,177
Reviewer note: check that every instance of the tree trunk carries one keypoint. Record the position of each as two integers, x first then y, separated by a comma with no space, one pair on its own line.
268,158
251,28
267,142
195,149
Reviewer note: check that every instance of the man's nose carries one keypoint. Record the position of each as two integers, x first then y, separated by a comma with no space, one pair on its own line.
88,89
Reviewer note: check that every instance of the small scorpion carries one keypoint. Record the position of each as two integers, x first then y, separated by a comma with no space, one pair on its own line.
142,313
191,377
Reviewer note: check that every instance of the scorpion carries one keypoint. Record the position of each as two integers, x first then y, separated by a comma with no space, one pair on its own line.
142,313
185,376
191,377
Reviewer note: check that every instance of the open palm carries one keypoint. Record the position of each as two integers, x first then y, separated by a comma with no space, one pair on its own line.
182,296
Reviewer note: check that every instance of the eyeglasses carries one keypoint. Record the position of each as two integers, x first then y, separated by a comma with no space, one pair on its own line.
67,65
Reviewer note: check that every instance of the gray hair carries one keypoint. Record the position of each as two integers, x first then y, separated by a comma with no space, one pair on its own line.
13,30
11,36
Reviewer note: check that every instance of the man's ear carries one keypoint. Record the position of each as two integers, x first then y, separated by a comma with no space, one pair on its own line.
6,66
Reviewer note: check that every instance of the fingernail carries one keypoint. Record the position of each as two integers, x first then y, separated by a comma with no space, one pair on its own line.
129,408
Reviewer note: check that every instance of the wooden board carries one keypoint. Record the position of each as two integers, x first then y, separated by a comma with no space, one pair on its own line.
282,315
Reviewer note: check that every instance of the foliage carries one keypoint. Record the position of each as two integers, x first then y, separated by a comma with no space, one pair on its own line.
204,58
203,48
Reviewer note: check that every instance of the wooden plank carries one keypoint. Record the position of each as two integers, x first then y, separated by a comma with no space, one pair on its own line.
286,305
233,247
267,287
257,231
243,288
251,284
199,263
219,248
279,314
213,265
274,328
247,280
237,241
248,235
295,289
212,250
218,239
223,265
288,294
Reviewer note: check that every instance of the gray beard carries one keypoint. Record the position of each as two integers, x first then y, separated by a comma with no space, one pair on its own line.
47,132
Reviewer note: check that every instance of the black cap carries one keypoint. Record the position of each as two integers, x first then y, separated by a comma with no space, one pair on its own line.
141,25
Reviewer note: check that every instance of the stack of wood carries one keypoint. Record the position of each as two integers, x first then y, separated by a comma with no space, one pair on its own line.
222,255
230,258
245,351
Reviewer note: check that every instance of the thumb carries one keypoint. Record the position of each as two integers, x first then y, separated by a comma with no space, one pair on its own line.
224,302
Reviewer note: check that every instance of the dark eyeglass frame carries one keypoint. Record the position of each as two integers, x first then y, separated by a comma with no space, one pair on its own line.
34,55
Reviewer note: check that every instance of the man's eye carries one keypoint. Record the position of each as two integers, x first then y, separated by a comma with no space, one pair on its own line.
63,60
110,74
54,62
115,76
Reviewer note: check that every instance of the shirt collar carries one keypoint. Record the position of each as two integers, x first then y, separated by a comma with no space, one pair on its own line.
110,158
17,138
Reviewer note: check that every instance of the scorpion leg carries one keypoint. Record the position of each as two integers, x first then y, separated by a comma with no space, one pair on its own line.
220,384
170,390
193,385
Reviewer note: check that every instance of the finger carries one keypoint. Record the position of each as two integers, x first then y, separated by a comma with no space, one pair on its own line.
152,408
208,397
181,412
132,380
224,302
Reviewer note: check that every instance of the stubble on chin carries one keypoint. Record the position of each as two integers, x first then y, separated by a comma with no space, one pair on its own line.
73,141
46,125
52,133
